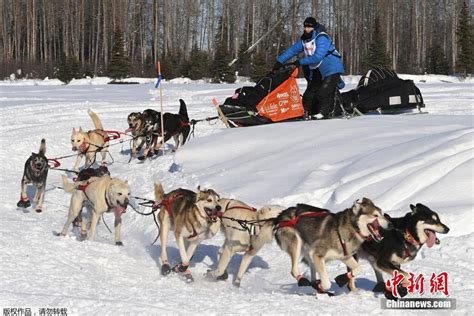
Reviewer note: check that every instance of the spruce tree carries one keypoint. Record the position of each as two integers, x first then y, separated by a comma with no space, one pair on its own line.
465,63
68,69
119,65
260,68
436,61
221,70
243,63
198,65
377,53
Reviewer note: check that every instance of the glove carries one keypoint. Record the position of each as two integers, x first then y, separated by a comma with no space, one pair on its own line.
277,66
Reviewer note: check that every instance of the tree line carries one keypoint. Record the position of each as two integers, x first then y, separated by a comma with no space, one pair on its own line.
198,38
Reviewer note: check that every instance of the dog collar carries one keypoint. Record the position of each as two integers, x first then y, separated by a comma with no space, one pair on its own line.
357,229
84,147
410,239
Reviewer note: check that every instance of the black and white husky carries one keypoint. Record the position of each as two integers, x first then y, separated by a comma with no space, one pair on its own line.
35,172
401,244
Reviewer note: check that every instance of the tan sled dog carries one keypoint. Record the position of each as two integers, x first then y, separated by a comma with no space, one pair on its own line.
249,237
89,143
105,194
192,216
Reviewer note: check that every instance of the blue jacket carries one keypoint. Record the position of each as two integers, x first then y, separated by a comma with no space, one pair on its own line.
328,63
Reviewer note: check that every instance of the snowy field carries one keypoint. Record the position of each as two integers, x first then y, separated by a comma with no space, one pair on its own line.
394,160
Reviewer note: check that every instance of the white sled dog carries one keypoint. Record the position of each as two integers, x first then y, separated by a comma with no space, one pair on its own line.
89,143
105,194
256,230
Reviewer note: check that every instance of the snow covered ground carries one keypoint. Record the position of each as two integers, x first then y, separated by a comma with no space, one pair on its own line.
394,160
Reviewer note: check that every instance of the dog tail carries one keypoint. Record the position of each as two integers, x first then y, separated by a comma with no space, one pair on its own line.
67,185
159,193
42,150
95,120
183,111
267,214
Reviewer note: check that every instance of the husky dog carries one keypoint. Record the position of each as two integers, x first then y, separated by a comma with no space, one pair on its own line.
35,172
89,143
401,245
320,235
175,125
237,239
136,126
105,194
192,216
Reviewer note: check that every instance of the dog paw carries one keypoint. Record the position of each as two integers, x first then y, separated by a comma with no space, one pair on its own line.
211,276
187,277
379,287
180,267
237,283
224,276
165,269
389,296
304,282
119,243
342,279
402,291
317,285
23,203
141,158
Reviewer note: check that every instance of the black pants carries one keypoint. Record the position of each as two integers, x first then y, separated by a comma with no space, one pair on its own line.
319,95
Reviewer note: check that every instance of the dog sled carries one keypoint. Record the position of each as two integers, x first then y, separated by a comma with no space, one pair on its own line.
381,90
275,98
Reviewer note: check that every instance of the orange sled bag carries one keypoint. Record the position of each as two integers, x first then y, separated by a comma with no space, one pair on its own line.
274,98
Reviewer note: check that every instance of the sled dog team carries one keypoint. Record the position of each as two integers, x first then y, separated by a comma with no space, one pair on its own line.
304,232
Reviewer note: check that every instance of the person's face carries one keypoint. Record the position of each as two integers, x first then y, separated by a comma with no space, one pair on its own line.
308,29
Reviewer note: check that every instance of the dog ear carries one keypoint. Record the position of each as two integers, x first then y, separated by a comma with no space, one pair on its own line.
80,129
367,201
356,207
73,130
413,208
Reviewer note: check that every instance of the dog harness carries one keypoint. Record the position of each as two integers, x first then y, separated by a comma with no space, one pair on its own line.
167,204
84,147
409,240
294,221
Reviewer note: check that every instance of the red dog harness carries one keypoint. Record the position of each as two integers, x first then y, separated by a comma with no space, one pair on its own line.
294,221
168,202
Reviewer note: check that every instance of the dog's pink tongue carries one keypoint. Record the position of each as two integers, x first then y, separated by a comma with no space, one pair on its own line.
119,210
431,238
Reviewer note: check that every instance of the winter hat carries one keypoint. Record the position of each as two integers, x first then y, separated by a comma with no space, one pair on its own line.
310,21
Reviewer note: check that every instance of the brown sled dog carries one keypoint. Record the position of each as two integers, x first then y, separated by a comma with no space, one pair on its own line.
192,216
319,236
